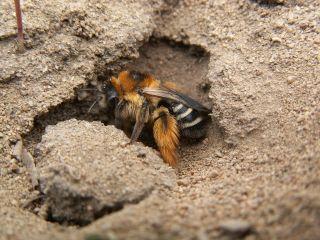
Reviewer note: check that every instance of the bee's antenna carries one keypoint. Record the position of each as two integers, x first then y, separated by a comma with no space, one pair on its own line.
94,103
88,89
91,89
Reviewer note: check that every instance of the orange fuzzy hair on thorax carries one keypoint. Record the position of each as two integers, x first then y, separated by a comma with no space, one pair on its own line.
130,81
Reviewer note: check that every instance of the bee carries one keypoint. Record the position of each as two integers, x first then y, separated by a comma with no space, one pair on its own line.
140,101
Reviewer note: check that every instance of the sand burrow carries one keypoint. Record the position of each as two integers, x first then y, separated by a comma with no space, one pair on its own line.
77,169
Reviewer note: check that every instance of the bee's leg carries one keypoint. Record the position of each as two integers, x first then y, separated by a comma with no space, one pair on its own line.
142,117
122,116
166,135
119,110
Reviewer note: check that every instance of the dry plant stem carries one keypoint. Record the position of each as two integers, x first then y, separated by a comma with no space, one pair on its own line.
19,24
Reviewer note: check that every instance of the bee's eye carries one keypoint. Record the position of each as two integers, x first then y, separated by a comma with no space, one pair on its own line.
112,101
104,87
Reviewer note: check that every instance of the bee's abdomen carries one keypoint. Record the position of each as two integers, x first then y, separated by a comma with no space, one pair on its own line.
192,123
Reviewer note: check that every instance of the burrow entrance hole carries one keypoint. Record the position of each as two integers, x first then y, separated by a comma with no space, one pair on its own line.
167,60
185,65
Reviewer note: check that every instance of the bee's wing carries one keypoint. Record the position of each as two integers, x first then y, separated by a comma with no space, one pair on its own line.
177,97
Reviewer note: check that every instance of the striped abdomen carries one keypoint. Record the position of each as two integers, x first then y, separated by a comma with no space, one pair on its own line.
192,123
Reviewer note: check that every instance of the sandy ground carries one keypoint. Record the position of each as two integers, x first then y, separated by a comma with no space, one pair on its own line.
256,63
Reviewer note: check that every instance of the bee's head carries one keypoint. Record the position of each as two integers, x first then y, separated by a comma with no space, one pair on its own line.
109,96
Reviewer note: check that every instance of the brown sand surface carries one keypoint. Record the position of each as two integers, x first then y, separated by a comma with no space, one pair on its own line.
256,174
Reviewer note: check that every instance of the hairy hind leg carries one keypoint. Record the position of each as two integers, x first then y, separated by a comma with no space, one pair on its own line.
166,135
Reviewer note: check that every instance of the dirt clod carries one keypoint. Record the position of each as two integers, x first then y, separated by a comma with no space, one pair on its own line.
85,174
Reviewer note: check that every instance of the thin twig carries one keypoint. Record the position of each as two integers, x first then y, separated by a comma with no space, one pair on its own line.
19,24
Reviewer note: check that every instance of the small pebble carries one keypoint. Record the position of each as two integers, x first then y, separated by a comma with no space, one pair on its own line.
213,175
183,182
141,154
290,80
276,40
218,154
123,144
14,168
36,210
250,59
14,202
236,227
